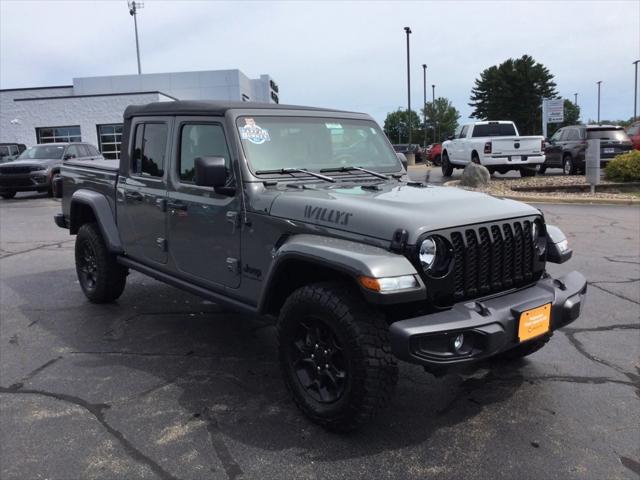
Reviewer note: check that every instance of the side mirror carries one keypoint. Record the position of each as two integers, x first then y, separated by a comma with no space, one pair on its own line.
68,156
402,159
210,172
451,137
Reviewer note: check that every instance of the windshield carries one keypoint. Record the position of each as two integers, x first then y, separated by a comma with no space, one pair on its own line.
617,135
274,143
494,130
43,152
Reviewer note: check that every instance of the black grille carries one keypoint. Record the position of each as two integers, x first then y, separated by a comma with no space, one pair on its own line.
489,259
14,170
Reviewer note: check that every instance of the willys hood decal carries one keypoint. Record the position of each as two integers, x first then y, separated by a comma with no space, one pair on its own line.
380,211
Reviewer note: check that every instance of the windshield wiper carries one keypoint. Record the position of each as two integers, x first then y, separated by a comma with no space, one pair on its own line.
359,169
298,170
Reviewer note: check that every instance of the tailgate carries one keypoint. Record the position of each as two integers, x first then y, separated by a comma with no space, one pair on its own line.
516,145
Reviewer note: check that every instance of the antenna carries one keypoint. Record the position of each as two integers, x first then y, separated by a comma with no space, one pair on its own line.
133,11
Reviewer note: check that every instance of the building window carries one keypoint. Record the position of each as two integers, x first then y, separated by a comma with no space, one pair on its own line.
58,134
245,97
109,140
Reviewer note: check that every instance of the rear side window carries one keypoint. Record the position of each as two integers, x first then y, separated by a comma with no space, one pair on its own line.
494,130
572,134
616,135
200,140
148,159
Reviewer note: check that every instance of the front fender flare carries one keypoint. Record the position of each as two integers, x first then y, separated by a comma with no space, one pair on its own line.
103,214
348,257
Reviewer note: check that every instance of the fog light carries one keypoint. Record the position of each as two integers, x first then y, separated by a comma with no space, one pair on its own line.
458,343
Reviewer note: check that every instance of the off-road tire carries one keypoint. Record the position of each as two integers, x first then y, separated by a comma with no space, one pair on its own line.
525,349
371,372
568,167
8,195
108,277
447,168
527,172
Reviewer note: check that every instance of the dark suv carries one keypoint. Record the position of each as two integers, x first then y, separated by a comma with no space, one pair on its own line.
566,148
35,168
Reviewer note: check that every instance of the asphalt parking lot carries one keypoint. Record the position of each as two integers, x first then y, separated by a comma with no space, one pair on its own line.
164,385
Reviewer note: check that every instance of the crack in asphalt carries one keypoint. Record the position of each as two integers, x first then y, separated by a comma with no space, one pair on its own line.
40,247
615,294
615,260
604,328
97,410
231,467
631,280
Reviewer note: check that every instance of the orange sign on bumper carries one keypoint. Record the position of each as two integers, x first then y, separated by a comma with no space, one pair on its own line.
534,322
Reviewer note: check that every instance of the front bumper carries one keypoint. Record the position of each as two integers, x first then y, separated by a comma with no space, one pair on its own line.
491,326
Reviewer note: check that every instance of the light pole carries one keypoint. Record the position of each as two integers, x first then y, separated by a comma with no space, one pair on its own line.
433,109
408,31
635,93
575,99
133,11
424,111
599,82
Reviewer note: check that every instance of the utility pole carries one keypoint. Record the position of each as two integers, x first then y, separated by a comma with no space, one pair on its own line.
424,112
433,108
408,31
635,93
599,82
133,11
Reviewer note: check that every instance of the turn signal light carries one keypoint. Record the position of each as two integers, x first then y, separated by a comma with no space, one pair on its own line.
388,284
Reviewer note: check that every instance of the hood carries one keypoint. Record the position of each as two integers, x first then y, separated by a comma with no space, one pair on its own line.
380,212
32,163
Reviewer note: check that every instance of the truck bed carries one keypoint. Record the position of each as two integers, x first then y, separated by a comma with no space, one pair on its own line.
100,176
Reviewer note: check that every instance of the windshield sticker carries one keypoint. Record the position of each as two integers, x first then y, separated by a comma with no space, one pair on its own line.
254,133
332,126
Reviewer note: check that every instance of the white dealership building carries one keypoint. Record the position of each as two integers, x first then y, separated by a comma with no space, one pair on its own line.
90,110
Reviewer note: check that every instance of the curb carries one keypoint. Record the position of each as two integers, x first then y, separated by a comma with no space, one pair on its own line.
574,201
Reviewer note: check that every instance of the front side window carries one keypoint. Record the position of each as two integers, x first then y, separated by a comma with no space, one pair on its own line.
110,140
200,140
72,152
556,136
58,134
148,157
274,143
43,152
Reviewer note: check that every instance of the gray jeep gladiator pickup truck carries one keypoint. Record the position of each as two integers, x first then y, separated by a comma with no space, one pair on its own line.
306,215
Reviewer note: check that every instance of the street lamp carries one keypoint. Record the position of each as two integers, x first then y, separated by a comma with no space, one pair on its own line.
424,111
408,31
599,82
635,93
575,99
133,11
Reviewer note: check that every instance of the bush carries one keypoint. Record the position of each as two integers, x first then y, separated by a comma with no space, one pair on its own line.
624,168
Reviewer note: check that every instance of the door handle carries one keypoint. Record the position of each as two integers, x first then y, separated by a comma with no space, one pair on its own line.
177,205
133,196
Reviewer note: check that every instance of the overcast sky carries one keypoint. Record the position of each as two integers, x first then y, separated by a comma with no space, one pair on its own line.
347,55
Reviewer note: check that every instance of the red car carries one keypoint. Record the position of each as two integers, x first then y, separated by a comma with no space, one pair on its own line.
634,134
435,153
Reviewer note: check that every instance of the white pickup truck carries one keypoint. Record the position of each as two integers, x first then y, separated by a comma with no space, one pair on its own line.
494,144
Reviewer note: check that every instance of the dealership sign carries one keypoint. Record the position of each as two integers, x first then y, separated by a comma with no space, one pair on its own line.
554,110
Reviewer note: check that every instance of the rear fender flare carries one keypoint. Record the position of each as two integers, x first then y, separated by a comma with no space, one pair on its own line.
103,214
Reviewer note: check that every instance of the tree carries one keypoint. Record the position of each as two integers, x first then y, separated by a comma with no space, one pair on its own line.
514,91
396,126
442,119
571,117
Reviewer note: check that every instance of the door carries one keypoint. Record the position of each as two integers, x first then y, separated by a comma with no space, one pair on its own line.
553,150
203,224
460,146
142,191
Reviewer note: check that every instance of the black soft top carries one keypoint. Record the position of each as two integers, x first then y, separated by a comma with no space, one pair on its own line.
191,107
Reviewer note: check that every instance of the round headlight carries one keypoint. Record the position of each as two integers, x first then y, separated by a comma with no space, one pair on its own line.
427,254
435,255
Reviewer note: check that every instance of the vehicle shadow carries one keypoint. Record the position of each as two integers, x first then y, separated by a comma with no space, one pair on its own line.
222,369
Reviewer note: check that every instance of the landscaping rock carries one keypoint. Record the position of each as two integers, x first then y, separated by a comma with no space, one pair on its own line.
474,176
